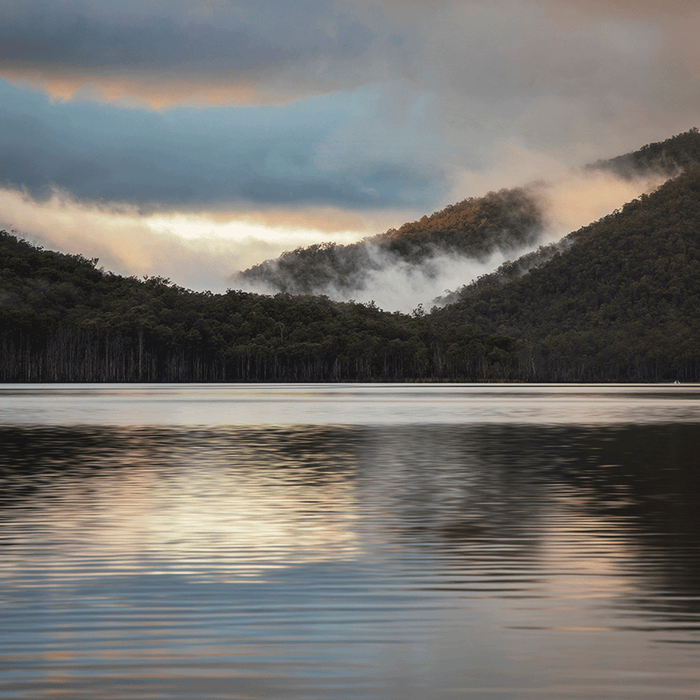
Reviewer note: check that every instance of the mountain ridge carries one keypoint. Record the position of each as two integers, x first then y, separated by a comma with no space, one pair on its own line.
617,300
504,221
622,299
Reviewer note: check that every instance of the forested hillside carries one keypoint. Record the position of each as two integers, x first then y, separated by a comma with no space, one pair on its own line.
475,228
620,302
62,319
669,156
504,221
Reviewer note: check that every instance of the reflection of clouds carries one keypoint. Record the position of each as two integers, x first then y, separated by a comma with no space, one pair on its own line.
591,554
201,517
217,504
465,560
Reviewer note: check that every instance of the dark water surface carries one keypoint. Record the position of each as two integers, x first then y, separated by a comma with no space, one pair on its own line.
349,542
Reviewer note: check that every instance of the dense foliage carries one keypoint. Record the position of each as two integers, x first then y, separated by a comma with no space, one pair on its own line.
475,228
62,319
667,156
620,302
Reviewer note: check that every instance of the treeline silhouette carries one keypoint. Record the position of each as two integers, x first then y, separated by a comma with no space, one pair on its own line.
65,320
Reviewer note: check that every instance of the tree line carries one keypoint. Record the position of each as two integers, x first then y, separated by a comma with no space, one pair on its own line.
65,320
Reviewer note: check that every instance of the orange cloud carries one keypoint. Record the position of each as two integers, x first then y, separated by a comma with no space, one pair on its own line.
155,89
336,222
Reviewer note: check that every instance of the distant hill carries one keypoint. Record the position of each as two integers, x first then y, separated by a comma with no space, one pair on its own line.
506,221
63,319
620,301
671,157
475,228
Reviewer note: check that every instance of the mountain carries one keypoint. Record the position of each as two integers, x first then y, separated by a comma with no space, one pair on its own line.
504,222
669,157
475,228
619,301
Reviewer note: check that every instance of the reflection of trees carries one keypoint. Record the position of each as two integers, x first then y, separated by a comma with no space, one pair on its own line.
432,487
35,461
471,498
647,479
481,493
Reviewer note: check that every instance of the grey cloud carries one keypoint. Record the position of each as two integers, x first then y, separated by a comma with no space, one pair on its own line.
244,37
578,86
219,157
577,80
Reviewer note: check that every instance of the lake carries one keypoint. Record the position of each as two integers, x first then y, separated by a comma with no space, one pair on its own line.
349,541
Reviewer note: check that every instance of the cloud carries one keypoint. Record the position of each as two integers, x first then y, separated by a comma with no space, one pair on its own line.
582,78
129,243
398,285
121,239
267,50
197,250
239,36
579,197
219,157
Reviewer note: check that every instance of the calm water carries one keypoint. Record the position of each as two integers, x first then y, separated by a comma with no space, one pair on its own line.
349,541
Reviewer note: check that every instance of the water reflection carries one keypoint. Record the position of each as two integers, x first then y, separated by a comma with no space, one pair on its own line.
458,560
195,502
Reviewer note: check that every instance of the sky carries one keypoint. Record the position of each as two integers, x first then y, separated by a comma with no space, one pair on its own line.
193,138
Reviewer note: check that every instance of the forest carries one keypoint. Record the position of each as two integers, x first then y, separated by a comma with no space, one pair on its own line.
616,301
65,320
620,300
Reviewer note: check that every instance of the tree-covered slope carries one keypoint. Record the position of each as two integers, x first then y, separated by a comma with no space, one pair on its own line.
62,319
475,228
669,156
506,221
620,302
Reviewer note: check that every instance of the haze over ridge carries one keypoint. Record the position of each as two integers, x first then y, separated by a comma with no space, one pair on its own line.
163,136
402,269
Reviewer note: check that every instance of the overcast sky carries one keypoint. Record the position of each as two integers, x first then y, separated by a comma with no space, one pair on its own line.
191,138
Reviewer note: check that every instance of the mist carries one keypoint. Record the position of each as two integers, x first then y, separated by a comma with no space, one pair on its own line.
195,252
127,243
569,200
393,283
